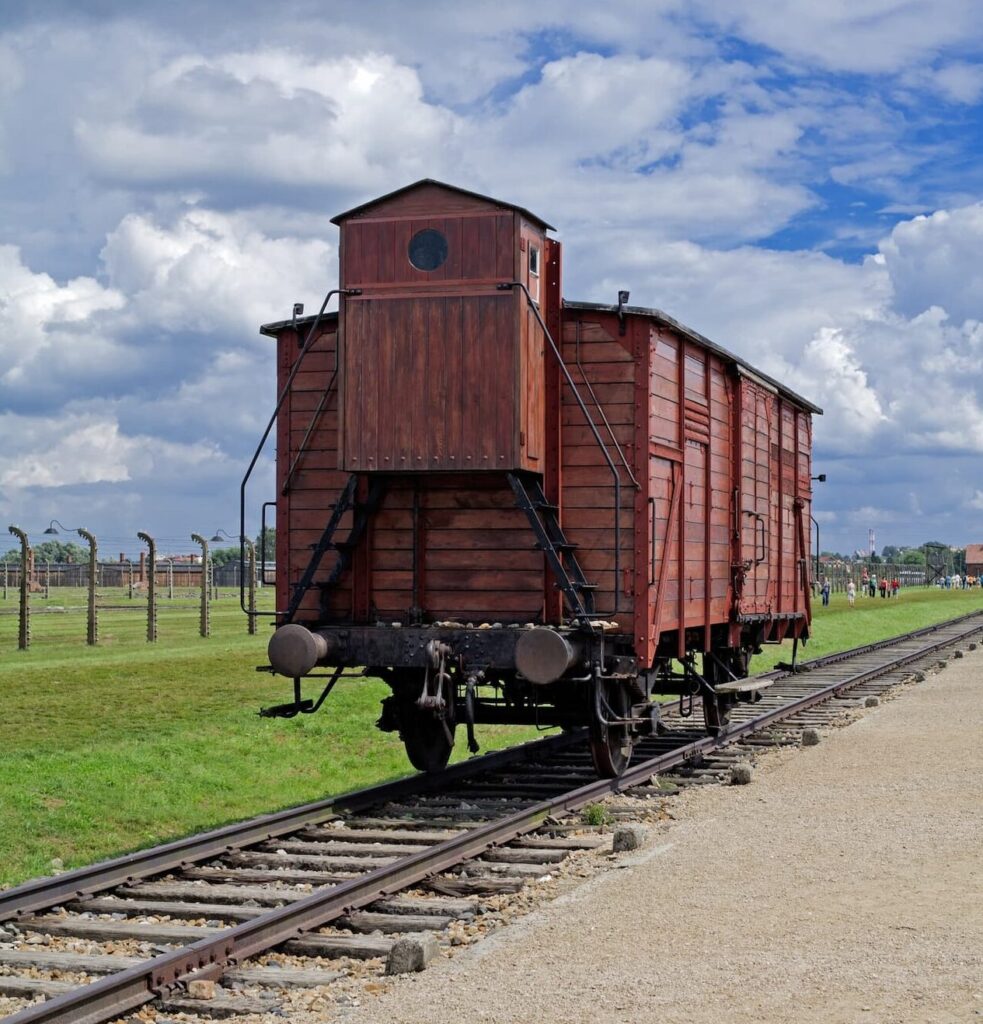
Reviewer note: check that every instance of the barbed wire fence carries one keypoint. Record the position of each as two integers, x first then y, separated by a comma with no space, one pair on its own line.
153,585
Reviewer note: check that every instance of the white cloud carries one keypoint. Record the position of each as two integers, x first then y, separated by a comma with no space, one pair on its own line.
48,331
77,449
272,116
866,36
211,271
938,261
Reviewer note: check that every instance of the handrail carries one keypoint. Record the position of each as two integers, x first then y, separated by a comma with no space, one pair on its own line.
262,442
508,286
325,396
600,409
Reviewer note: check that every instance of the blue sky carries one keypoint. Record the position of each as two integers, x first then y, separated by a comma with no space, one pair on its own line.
801,182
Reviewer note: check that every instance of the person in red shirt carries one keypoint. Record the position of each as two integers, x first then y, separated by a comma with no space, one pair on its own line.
895,586
883,586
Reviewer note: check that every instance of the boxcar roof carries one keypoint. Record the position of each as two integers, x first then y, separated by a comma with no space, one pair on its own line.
272,330
450,188
688,332
331,319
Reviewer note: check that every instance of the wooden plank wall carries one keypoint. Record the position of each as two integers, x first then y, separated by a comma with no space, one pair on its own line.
587,493
476,556
480,247
430,383
757,431
697,571
303,511
478,561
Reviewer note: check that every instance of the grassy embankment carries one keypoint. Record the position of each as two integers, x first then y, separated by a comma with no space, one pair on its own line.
112,748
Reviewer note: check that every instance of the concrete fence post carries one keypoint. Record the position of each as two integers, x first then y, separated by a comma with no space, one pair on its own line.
206,584
251,561
92,629
170,579
151,587
24,616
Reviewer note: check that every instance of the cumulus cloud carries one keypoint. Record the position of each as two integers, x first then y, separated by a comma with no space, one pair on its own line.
77,449
272,116
50,333
935,261
208,271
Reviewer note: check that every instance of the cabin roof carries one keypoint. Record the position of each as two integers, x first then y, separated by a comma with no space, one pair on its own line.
450,188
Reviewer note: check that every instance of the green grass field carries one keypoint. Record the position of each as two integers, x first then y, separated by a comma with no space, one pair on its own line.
112,748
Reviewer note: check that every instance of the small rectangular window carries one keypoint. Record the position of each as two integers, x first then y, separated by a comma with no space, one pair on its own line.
533,261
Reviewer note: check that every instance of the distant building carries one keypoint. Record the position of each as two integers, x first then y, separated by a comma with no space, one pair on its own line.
974,559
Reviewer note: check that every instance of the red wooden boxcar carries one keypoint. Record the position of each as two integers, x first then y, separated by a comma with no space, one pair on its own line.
518,509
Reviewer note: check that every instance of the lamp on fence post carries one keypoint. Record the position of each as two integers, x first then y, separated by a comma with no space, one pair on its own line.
151,587
92,628
821,477
221,535
92,632
24,617
206,564
816,524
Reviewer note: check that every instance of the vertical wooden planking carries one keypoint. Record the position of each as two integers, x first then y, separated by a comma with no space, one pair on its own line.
553,441
439,345
455,349
645,512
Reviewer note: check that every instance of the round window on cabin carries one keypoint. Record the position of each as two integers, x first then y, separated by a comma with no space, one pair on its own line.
428,249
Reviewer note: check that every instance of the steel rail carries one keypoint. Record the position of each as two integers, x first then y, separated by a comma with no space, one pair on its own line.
119,993
43,893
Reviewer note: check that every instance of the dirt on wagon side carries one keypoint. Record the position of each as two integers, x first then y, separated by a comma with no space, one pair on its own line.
844,884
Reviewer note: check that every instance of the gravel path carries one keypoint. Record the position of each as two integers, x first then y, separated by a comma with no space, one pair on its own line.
844,884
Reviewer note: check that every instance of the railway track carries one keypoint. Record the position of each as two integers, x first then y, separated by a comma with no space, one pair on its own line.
378,874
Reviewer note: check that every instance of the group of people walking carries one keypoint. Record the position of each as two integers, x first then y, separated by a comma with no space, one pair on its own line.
869,587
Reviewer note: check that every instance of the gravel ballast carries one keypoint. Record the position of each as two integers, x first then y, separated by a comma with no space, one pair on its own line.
844,884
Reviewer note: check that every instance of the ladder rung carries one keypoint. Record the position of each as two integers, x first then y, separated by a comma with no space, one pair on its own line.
583,586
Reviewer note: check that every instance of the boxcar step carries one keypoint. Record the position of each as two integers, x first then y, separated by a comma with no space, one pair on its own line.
744,685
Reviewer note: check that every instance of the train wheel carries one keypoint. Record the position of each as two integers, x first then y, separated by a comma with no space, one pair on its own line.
610,745
428,739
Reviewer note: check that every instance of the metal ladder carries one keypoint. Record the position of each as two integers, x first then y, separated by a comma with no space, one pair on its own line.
570,578
345,548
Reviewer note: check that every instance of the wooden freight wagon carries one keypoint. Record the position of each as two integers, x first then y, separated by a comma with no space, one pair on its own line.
518,509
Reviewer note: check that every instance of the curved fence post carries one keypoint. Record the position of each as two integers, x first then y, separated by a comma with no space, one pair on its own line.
206,583
24,617
251,556
92,630
151,586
